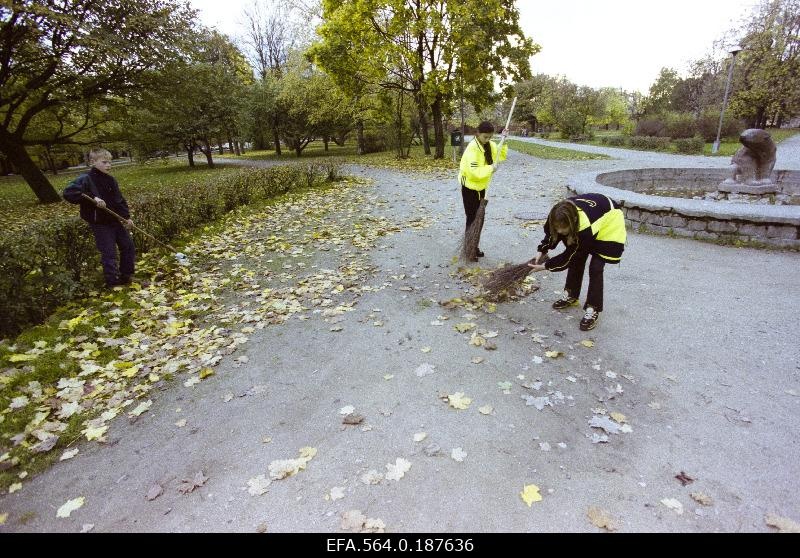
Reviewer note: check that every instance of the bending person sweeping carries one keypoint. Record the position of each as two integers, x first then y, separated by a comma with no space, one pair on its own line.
590,224
477,166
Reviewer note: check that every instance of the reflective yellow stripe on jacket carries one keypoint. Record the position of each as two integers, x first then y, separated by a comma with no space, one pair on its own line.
474,173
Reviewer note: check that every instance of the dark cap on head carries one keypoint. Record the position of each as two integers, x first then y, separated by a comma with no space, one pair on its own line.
486,127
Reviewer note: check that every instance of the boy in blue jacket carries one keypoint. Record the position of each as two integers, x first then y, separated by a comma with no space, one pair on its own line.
109,232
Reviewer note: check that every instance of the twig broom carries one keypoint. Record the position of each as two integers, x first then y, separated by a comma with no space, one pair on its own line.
508,276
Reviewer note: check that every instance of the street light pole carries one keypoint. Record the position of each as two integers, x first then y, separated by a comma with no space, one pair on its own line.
734,51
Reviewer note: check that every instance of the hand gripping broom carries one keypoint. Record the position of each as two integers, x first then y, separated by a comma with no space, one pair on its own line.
472,236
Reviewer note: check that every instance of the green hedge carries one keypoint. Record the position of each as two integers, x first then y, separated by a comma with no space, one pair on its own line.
49,262
650,143
690,146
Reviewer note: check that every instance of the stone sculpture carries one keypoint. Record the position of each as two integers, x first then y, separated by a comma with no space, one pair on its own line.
753,163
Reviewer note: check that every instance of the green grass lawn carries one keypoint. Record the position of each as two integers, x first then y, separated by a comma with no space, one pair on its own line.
417,160
557,153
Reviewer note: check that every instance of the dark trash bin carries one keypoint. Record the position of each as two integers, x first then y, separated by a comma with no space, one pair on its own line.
456,138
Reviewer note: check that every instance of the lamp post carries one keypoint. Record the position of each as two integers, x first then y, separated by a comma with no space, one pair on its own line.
734,51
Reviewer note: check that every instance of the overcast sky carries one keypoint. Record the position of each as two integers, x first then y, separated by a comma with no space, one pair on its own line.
599,43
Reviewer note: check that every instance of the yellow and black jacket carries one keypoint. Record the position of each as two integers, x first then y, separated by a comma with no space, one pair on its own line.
474,173
601,231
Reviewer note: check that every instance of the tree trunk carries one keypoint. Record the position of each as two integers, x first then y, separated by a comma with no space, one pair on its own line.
240,147
438,131
325,140
207,152
423,125
221,148
50,163
190,154
19,158
360,137
276,138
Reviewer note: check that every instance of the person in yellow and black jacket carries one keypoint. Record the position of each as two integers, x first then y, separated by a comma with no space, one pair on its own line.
478,164
586,224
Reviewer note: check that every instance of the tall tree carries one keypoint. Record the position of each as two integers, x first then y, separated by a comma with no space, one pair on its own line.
659,99
76,54
269,39
427,48
768,87
195,101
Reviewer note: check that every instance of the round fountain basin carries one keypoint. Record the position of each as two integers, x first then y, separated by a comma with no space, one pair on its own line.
692,202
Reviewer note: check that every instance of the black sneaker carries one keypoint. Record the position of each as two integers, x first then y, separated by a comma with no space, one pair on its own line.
125,280
565,301
589,319
480,254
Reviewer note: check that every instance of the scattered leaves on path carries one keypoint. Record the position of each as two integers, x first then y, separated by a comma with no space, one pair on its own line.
189,485
459,401
258,485
398,469
684,478
458,454
70,506
673,504
601,518
530,494
782,524
155,491
282,468
702,498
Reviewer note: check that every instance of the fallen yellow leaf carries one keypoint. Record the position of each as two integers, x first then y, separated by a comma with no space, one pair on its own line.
22,358
600,518
587,343
70,506
530,494
458,401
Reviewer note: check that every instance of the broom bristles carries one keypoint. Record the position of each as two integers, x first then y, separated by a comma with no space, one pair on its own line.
472,236
506,277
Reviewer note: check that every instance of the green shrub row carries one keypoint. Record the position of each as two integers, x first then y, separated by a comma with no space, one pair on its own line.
688,146
685,126
48,263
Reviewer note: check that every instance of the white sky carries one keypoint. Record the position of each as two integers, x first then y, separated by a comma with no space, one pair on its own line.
599,43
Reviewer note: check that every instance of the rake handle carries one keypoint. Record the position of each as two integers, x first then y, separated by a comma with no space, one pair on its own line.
124,220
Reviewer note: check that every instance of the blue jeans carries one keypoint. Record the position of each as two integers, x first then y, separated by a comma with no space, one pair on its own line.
107,238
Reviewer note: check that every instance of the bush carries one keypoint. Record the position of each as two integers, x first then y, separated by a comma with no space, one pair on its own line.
614,141
680,126
48,263
707,127
374,143
651,127
650,143
690,146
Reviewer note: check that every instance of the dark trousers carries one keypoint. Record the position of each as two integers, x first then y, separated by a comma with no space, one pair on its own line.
575,278
107,238
472,199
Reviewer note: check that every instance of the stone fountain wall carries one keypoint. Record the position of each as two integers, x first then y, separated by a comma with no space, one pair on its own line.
730,221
